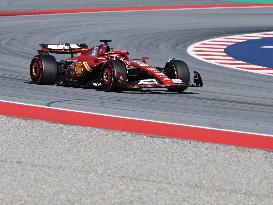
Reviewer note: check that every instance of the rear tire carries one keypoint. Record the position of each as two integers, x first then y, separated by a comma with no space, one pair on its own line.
44,69
177,69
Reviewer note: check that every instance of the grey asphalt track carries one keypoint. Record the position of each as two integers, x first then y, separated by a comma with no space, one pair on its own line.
44,163
230,99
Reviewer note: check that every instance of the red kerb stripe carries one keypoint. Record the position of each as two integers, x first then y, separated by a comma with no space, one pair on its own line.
132,8
137,125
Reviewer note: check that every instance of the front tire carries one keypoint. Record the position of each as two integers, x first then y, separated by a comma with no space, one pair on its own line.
113,76
43,69
177,69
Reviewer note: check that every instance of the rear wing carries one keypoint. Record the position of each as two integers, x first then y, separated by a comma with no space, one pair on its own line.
66,48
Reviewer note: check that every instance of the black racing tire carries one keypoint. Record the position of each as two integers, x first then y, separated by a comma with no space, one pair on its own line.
113,76
44,69
177,69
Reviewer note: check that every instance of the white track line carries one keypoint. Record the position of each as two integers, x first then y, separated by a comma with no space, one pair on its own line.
132,118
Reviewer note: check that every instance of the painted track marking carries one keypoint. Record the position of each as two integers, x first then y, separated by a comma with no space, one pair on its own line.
148,127
133,8
210,52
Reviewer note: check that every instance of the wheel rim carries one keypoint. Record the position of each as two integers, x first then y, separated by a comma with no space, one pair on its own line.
36,70
107,78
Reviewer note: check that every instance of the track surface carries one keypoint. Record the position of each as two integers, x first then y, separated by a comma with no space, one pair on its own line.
43,163
230,99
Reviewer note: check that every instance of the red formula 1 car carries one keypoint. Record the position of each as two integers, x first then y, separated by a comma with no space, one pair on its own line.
108,68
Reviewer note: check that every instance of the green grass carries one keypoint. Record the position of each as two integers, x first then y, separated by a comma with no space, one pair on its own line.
253,1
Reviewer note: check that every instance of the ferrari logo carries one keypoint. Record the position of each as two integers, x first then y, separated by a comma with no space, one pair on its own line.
78,69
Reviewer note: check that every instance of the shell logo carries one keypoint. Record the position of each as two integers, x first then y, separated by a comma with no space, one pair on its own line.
87,67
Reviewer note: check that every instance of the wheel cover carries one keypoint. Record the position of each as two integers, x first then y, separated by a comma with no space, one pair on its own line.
107,77
36,70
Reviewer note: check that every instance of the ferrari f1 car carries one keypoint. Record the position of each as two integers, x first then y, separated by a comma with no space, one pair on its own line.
108,68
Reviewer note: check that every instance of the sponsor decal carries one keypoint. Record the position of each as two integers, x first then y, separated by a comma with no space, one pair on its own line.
147,82
162,77
177,81
95,51
62,46
143,64
151,69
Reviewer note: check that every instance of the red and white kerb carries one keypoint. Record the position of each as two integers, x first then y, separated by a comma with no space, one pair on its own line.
213,51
